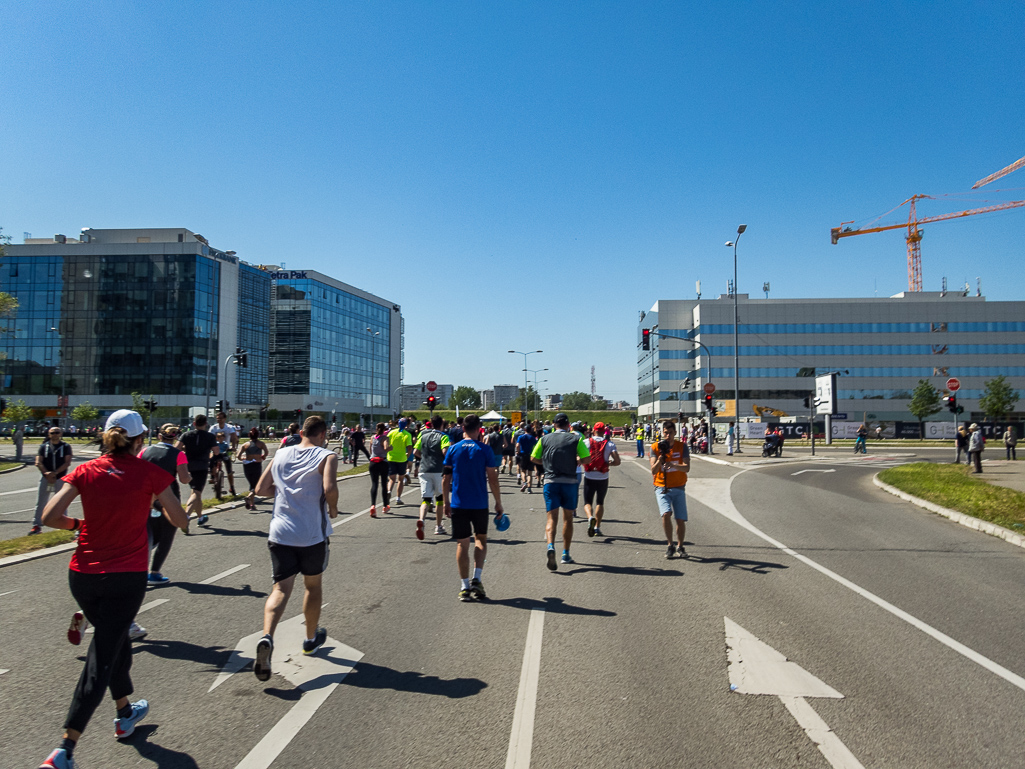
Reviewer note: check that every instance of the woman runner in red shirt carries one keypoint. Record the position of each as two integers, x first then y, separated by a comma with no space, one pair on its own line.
108,570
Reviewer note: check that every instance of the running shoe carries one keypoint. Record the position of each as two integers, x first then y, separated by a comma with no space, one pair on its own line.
419,529
681,551
156,578
670,551
59,759
551,559
35,530
137,632
477,589
398,501
439,529
387,508
597,531
373,511
261,666
310,645
592,524
523,488
566,557
124,727
202,519
78,625
464,595
530,490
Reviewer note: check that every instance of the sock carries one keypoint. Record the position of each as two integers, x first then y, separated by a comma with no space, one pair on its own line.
69,746
125,712
477,573
551,546
465,583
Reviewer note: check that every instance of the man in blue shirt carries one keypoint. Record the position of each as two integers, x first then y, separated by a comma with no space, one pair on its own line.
524,446
470,468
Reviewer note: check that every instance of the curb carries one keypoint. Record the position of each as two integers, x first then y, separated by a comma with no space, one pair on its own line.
965,520
13,469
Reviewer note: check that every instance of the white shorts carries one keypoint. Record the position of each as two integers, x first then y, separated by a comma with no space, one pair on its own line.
430,486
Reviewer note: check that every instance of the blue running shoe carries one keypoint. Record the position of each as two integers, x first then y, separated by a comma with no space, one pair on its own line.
566,557
311,645
202,519
156,578
58,760
124,727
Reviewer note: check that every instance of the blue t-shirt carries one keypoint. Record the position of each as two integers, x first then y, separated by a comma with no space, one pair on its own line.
525,444
470,461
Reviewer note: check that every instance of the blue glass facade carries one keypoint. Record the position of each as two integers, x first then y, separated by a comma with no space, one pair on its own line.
254,290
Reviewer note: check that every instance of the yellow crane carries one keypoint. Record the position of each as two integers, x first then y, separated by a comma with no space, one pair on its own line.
914,236
1002,172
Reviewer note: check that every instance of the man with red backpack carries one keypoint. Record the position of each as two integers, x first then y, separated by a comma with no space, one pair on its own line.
596,476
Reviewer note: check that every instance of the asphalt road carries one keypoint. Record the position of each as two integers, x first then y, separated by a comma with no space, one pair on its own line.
913,619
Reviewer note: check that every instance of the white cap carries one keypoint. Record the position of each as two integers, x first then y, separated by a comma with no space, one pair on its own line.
128,420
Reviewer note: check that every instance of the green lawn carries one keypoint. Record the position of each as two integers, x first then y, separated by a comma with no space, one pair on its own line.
48,538
953,487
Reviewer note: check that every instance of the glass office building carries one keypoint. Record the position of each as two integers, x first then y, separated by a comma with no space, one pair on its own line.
161,312
882,347
320,343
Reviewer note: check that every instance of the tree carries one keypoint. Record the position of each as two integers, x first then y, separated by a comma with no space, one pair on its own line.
85,412
577,401
8,304
925,401
464,397
137,403
999,398
532,402
17,412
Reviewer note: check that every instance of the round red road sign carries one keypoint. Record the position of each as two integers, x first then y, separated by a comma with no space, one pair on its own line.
709,388
953,384
432,386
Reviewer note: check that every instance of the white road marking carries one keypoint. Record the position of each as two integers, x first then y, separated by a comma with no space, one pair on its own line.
317,676
813,471
522,738
14,512
4,670
9,592
152,605
715,494
16,491
757,668
352,517
223,574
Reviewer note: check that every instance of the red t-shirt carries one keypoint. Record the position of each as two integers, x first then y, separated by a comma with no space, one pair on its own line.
116,495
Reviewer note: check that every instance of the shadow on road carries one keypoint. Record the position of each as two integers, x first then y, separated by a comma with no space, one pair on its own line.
635,540
214,656
197,589
164,758
369,676
227,532
755,567
639,571
553,605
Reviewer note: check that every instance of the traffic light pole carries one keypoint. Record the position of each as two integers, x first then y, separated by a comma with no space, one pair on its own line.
709,354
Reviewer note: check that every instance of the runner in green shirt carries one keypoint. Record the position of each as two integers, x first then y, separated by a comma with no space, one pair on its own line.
401,448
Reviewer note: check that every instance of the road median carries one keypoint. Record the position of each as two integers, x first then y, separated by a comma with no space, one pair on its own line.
950,491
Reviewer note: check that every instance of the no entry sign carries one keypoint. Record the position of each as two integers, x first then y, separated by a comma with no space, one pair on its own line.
709,388
432,386
953,384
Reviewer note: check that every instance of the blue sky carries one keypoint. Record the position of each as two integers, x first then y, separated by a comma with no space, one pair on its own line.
526,175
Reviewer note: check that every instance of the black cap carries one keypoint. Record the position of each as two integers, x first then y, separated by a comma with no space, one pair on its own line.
561,419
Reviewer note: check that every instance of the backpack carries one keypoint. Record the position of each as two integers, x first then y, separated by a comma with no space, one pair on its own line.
597,463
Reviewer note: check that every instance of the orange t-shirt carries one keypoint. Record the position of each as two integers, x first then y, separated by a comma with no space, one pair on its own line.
677,454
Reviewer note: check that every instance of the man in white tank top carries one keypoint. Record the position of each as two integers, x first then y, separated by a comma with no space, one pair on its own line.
303,481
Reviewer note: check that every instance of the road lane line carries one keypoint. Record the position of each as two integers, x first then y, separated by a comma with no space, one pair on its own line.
522,738
223,574
275,741
352,517
16,491
14,512
152,605
818,731
9,592
717,496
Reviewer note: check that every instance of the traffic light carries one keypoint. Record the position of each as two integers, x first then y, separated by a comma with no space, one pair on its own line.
432,403
645,338
219,407
240,358
807,401
150,405
951,401
686,383
708,403
298,415
263,413
3,405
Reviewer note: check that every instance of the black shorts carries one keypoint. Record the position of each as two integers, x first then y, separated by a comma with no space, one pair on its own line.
525,464
287,561
507,452
198,482
593,488
396,468
467,522
225,460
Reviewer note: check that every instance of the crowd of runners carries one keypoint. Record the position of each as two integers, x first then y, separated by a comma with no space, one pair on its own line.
132,509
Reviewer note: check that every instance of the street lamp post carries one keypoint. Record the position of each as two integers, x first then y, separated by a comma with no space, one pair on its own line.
736,334
535,372
525,354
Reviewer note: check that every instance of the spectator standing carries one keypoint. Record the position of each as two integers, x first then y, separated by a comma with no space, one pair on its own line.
52,461
1011,442
976,443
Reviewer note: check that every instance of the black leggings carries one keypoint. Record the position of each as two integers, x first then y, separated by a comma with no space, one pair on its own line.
378,475
110,602
161,537
253,470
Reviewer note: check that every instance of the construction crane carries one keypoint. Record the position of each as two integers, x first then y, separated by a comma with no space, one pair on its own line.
1002,172
914,236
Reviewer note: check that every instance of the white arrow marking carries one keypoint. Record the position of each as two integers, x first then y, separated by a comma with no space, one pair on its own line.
813,471
316,675
757,668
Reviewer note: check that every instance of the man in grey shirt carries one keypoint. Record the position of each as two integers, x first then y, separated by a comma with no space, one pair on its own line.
559,453
303,479
431,445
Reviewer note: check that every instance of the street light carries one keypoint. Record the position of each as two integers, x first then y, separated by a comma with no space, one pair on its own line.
535,372
736,335
525,354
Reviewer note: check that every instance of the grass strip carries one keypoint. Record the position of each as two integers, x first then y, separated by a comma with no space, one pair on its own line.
20,545
9,465
953,487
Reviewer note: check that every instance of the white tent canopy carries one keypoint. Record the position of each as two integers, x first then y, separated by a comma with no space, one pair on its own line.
491,416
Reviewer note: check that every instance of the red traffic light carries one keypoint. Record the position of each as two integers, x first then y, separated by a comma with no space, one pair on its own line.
645,338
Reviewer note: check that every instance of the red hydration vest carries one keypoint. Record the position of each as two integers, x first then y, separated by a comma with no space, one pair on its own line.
597,463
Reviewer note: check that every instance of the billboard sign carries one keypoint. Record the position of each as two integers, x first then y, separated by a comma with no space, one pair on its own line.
825,394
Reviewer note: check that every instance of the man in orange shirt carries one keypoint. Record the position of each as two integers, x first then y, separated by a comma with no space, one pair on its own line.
670,463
